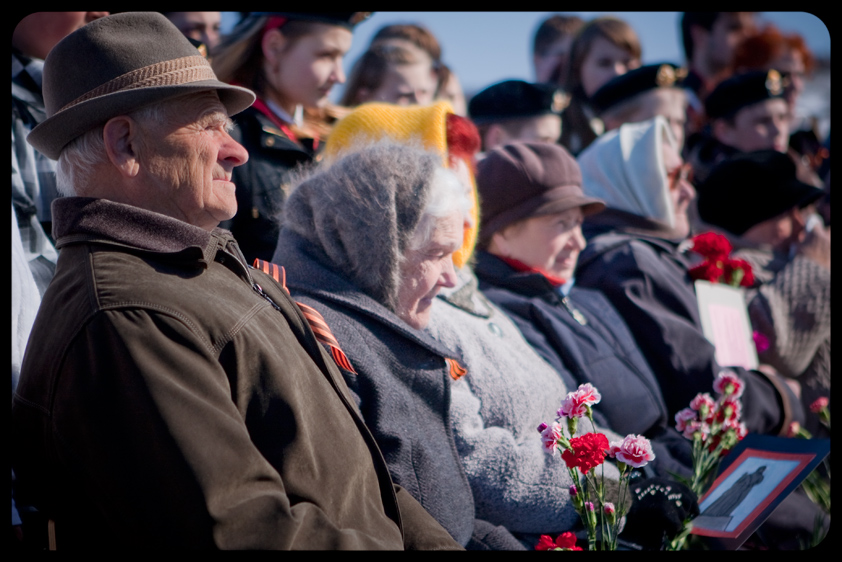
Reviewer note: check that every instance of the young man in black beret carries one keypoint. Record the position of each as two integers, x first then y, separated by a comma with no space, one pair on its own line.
516,110
641,94
746,112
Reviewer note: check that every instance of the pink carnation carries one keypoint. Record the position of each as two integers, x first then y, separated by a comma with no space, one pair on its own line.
634,450
819,404
550,436
696,426
576,403
704,404
729,410
727,382
684,417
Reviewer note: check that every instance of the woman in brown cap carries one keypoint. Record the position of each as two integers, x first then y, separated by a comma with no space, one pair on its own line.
291,61
532,208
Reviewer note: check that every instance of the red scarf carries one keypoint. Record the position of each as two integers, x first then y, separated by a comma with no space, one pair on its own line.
523,268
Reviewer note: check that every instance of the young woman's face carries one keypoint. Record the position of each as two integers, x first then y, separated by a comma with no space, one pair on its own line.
305,70
604,61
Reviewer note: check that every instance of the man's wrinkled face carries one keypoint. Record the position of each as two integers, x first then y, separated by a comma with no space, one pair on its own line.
188,161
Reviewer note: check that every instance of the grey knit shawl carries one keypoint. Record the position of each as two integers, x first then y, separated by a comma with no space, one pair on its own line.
360,213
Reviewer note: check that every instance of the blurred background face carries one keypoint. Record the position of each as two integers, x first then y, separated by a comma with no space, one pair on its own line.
604,61
782,231
199,26
790,63
670,103
551,243
37,33
760,126
729,29
554,62
406,84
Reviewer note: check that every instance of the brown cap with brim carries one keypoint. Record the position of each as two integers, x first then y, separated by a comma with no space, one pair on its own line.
528,179
115,65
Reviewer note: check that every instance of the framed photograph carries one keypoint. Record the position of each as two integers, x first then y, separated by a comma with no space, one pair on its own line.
753,479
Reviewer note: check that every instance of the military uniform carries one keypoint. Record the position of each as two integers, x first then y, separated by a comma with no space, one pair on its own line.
274,152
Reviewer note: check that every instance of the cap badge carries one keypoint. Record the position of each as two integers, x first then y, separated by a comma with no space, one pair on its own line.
665,76
774,83
559,102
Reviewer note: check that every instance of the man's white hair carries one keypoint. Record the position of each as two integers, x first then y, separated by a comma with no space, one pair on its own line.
80,158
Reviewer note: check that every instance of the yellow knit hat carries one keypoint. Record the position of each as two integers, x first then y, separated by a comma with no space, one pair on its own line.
372,122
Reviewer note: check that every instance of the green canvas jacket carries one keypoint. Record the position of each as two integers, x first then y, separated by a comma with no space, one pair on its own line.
173,397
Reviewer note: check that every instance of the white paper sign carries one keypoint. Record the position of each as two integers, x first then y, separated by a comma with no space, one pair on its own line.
725,323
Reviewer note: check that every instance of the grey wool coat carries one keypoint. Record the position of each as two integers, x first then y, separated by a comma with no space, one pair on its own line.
496,409
402,386
346,228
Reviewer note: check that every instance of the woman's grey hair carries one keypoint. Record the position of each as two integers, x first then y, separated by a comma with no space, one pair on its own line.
79,159
446,196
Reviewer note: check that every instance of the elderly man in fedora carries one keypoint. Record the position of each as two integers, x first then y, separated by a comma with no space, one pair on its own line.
172,396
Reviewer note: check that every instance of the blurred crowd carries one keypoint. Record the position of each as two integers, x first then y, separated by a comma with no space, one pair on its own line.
245,316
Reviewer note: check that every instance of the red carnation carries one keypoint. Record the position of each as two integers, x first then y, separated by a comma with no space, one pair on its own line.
732,269
712,246
588,451
706,271
565,541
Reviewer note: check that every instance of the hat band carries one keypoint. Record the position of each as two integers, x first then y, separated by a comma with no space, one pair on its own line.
167,73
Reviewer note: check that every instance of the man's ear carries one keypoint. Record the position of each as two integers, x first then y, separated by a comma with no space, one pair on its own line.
120,135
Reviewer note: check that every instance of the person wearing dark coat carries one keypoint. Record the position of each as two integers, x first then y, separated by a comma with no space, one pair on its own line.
528,189
172,397
633,258
368,241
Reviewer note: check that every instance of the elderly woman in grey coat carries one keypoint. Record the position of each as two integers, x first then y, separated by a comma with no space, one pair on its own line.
367,241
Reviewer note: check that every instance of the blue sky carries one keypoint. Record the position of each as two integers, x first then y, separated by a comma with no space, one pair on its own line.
486,47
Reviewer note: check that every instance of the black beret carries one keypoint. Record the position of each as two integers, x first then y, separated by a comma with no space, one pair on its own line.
633,82
750,188
741,90
512,99
345,19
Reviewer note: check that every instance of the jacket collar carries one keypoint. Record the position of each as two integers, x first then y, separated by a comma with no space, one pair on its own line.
86,219
495,271
307,275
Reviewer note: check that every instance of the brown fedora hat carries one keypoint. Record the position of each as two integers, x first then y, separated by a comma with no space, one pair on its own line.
115,65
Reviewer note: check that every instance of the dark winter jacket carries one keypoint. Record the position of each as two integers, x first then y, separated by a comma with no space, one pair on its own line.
166,403
581,333
646,279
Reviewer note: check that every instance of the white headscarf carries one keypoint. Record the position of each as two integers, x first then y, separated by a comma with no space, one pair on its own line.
625,168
